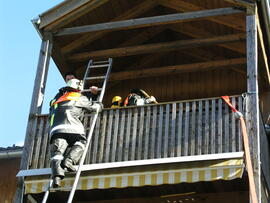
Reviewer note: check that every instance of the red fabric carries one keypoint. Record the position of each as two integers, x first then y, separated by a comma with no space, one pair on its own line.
227,100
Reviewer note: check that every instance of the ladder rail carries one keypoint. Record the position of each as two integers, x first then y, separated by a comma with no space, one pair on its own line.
105,81
91,130
90,134
46,195
78,173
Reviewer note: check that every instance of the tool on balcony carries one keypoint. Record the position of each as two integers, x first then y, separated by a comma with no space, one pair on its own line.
88,76
246,150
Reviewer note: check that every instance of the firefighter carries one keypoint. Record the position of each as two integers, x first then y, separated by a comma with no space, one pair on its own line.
138,97
116,102
92,95
66,128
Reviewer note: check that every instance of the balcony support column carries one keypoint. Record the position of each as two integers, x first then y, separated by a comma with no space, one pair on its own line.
35,108
252,99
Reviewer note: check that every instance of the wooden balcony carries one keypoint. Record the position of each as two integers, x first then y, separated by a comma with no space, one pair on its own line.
174,129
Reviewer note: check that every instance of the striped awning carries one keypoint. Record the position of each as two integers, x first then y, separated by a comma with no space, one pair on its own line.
147,176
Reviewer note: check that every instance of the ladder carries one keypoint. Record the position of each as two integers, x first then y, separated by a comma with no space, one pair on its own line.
91,66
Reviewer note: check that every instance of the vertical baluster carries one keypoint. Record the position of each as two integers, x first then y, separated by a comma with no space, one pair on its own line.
220,144
213,126
134,134
37,145
44,141
199,130
121,136
147,133
227,139
239,133
192,133
166,131
115,135
47,153
108,137
32,147
127,135
96,141
102,137
233,137
207,138
160,128
88,120
153,133
186,135
140,134
173,141
179,130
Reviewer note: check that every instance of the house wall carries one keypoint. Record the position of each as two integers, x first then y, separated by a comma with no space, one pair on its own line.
183,86
8,181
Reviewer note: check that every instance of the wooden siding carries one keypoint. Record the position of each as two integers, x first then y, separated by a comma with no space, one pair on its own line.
183,86
8,170
155,131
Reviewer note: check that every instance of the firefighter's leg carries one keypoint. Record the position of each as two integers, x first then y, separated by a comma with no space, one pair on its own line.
74,155
58,147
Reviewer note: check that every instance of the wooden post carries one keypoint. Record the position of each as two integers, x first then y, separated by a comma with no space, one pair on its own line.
252,100
35,108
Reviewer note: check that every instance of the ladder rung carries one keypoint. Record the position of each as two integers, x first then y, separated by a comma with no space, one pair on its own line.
98,62
99,66
60,189
88,90
95,78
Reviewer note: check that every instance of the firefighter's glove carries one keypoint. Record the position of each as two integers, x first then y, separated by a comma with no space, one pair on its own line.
97,107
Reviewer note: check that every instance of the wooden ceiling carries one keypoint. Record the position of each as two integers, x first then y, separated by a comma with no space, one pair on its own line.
215,41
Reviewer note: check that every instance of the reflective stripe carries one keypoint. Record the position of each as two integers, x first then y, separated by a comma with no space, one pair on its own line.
79,130
79,144
52,119
57,157
68,96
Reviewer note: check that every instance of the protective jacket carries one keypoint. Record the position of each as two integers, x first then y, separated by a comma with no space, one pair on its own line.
66,111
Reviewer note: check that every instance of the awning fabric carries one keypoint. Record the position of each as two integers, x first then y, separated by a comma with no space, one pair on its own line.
143,176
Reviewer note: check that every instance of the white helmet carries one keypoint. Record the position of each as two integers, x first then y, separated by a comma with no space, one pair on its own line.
75,84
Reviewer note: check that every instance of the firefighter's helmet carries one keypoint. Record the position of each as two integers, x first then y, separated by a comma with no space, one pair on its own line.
75,84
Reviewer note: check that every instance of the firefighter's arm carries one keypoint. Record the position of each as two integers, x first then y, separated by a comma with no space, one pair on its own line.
89,105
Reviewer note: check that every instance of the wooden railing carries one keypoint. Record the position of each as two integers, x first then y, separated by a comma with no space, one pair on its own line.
164,130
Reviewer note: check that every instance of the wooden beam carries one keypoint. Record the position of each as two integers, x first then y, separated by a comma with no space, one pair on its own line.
195,32
59,59
158,47
149,21
252,101
186,6
67,12
88,38
142,36
35,108
176,69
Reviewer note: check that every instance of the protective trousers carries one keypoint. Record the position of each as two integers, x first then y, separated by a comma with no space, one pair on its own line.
60,159
58,148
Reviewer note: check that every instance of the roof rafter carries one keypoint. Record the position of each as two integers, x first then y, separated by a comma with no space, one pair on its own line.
157,47
184,6
149,21
198,33
67,12
175,69
88,38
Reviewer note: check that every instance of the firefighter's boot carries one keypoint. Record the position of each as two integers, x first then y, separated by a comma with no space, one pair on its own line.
58,147
73,157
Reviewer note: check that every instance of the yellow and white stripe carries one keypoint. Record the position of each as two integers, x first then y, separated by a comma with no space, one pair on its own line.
181,172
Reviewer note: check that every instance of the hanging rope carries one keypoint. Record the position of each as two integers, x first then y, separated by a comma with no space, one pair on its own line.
239,115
